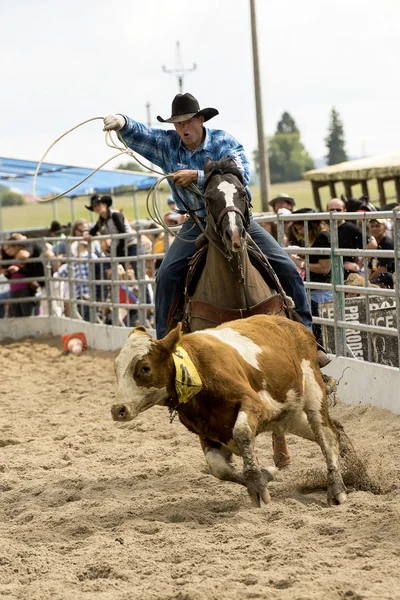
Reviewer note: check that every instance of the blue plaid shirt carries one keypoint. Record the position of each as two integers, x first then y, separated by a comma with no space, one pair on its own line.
80,271
166,150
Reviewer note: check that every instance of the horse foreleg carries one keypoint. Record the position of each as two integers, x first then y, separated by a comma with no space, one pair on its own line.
281,450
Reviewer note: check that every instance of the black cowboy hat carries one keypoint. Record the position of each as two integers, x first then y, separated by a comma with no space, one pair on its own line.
284,197
184,107
55,227
96,199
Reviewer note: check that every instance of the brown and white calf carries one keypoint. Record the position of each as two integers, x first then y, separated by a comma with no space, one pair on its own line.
257,374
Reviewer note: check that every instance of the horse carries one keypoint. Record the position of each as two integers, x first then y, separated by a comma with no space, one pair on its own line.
223,282
229,286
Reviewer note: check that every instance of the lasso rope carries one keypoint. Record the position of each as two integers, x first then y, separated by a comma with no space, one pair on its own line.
151,201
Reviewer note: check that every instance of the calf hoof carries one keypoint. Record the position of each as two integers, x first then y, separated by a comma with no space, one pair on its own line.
256,484
270,473
256,497
338,499
336,493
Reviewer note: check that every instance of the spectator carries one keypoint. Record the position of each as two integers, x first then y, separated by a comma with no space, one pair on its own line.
349,236
390,206
376,266
319,266
366,207
269,226
385,280
161,242
81,228
172,219
22,269
282,201
172,208
80,270
113,222
57,247
55,230
127,294
296,237
355,279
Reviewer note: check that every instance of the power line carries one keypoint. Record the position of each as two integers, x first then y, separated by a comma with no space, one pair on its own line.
179,71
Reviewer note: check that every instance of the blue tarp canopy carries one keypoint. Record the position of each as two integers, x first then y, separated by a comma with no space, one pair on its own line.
54,179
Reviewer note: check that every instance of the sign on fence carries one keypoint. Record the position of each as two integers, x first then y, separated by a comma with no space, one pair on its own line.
384,348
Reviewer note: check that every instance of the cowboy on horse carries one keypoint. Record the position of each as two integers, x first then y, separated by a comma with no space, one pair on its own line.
182,154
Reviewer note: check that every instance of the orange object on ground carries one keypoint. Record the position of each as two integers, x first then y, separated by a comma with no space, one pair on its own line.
74,342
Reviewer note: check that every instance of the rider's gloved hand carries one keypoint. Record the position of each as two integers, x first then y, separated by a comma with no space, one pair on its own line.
114,122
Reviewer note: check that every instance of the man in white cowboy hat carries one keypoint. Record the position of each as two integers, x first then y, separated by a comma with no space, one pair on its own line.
282,201
183,153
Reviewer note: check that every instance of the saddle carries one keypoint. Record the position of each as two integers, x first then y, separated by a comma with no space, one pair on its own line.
184,307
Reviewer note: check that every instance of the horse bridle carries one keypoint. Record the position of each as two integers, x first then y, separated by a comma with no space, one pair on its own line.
228,209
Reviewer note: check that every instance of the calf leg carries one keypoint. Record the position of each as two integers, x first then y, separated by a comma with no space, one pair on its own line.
218,459
315,407
244,436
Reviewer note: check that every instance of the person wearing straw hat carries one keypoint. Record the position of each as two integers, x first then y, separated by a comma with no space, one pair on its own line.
282,201
182,153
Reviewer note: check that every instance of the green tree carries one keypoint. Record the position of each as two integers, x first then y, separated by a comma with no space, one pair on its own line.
9,198
130,166
288,159
286,124
335,141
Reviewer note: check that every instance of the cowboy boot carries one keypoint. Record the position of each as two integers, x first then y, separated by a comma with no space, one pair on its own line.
323,358
281,451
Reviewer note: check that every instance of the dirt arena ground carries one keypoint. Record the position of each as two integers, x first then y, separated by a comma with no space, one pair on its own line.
94,510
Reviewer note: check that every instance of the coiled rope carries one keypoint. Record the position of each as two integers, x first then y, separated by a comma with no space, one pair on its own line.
151,201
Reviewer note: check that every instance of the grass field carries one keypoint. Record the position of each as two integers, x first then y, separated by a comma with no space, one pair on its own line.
41,215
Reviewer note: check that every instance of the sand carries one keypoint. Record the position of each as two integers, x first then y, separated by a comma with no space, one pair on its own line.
91,509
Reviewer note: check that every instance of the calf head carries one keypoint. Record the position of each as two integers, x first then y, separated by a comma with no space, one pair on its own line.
145,373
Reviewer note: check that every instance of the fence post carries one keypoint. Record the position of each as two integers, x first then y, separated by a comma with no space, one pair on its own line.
338,297
92,284
48,276
396,240
114,278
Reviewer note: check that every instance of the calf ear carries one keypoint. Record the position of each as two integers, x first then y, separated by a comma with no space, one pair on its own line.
139,329
172,339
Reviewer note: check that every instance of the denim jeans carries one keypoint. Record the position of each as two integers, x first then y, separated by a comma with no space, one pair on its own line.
173,269
3,296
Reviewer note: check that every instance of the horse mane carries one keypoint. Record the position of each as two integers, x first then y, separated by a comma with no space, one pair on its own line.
224,166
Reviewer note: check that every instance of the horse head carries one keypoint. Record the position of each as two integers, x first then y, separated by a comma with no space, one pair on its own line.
227,202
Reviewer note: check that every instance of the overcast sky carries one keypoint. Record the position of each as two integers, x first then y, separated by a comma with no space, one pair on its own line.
66,61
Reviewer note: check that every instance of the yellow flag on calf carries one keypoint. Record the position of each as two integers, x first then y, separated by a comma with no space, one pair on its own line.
187,379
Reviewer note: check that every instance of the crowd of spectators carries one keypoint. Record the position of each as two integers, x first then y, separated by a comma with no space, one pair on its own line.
74,263
376,272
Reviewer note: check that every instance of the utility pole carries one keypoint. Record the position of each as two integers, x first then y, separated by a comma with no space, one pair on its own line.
262,142
148,114
179,71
